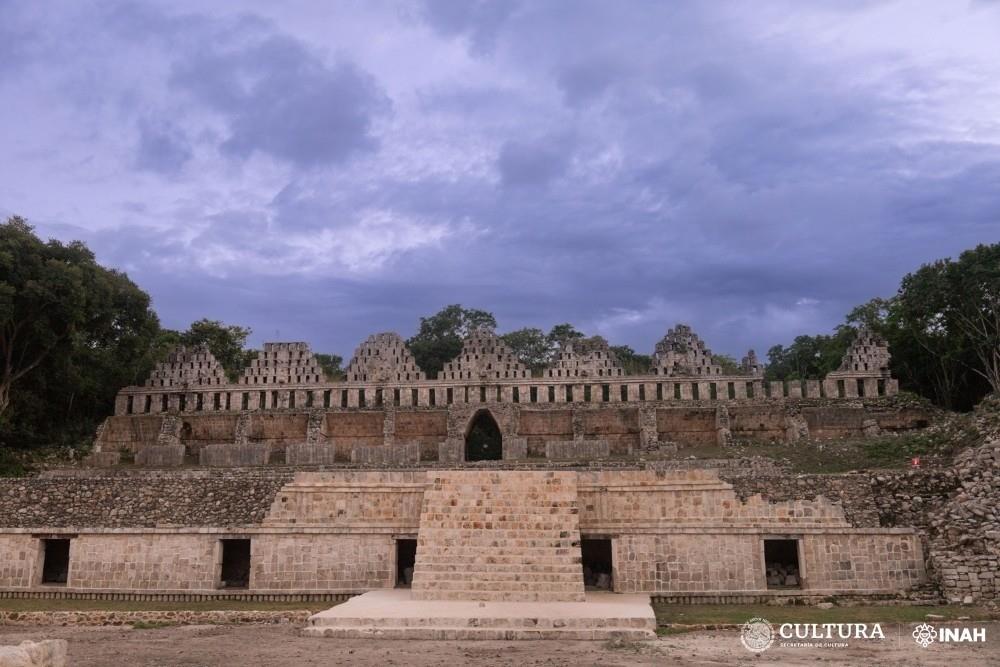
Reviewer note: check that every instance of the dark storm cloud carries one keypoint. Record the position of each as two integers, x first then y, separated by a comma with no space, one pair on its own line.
536,163
756,172
162,148
283,100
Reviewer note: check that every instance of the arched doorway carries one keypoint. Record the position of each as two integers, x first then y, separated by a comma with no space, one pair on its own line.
483,442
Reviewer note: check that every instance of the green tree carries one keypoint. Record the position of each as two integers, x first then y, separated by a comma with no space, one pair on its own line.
331,365
440,336
729,364
72,334
631,362
227,343
531,347
563,332
809,356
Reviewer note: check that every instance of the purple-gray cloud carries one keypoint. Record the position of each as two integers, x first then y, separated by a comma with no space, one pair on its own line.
335,170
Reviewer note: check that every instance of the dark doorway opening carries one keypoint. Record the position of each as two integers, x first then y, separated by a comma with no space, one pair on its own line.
597,564
483,443
406,556
55,566
235,564
781,564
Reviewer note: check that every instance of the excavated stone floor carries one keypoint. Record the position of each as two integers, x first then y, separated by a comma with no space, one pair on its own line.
395,614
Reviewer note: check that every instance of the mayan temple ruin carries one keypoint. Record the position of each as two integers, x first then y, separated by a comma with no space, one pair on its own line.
424,499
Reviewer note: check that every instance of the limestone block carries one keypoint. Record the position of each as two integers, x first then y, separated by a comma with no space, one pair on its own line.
891,387
871,387
687,393
577,449
777,389
303,453
160,456
386,455
812,389
704,391
514,448
830,389
794,389
45,653
256,454
104,459
451,450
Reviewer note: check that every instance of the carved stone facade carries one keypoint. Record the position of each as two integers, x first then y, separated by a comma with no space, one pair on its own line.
867,356
283,363
585,358
383,357
188,367
682,353
484,356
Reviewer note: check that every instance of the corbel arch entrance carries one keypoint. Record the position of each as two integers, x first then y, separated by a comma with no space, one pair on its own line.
483,437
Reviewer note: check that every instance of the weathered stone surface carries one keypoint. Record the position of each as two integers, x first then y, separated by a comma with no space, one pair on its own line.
45,653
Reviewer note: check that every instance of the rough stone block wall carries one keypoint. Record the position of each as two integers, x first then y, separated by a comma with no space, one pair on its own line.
322,562
346,430
427,428
386,454
690,563
129,432
347,499
862,562
835,422
140,499
143,562
160,456
578,449
761,423
540,426
209,429
853,493
302,453
619,427
255,454
18,555
279,429
690,426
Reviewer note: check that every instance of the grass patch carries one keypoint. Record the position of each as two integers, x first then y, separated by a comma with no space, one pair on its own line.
151,625
25,605
708,614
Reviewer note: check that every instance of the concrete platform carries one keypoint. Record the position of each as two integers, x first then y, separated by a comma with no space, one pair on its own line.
394,614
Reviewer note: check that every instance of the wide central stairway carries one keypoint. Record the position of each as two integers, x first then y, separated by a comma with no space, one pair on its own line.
499,536
498,557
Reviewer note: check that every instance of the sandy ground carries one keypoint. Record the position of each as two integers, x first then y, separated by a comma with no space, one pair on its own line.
283,646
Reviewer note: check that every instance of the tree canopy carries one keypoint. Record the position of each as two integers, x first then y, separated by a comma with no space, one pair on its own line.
72,334
440,336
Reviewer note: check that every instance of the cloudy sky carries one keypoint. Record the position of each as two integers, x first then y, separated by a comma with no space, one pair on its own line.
323,170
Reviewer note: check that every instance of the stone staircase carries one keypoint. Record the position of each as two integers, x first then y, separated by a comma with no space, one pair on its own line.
499,536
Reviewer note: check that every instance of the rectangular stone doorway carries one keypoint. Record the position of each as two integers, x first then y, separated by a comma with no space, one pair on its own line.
781,563
598,565
406,556
55,566
235,571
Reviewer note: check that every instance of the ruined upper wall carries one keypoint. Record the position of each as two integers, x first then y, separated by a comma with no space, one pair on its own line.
187,367
681,352
585,358
868,355
283,363
484,356
383,357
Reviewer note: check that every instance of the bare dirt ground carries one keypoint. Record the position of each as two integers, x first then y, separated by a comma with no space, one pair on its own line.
282,646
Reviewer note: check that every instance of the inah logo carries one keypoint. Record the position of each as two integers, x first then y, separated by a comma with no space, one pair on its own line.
924,634
757,635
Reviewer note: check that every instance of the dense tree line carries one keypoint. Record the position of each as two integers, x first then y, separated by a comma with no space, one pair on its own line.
73,332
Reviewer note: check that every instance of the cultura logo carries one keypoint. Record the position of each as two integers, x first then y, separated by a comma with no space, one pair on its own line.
757,635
